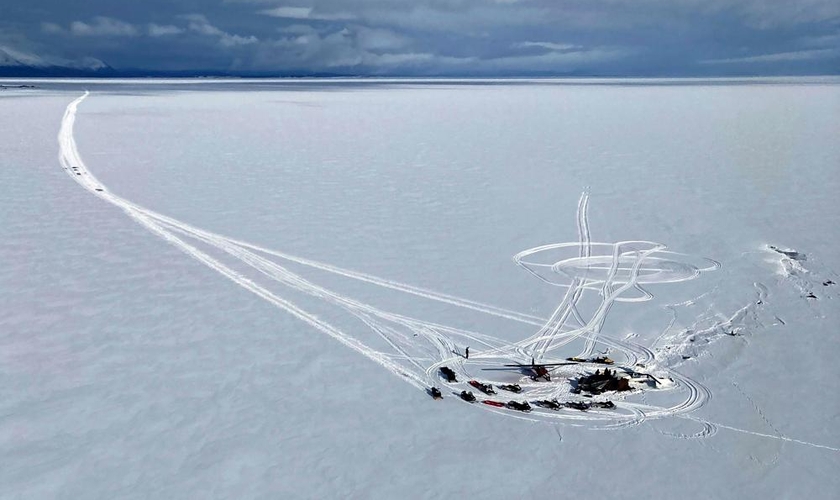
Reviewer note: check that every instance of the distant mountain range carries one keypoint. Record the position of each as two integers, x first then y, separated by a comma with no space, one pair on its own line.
14,63
17,64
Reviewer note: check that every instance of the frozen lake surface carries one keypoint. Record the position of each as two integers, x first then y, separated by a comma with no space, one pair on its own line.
244,289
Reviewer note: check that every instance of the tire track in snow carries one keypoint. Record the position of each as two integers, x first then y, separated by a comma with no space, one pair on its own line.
162,226
380,321
73,163
71,160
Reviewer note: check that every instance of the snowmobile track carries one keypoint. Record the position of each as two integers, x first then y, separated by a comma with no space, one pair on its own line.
627,262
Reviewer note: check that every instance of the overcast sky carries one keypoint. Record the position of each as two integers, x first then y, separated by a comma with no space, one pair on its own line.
433,37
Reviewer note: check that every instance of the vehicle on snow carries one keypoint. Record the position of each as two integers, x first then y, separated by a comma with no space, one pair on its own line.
551,404
601,382
519,406
435,393
510,388
577,405
485,388
468,396
448,374
537,370
601,360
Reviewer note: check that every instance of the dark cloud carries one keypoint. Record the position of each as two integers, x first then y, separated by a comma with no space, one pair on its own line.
446,37
98,26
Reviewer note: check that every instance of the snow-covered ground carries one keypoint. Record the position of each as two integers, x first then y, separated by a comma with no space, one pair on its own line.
244,289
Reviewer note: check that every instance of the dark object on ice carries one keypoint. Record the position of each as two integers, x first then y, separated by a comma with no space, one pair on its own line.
510,387
603,360
828,282
791,254
516,405
468,396
686,357
537,371
467,352
448,374
540,371
577,405
609,405
99,189
485,388
647,376
435,393
551,404
497,404
810,295
602,382
4,87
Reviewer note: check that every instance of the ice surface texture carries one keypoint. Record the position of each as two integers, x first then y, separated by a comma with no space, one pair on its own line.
240,410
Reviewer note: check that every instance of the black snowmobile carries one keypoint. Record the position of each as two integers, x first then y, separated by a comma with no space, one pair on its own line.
448,374
467,396
510,387
516,405
435,393
485,388
577,405
551,404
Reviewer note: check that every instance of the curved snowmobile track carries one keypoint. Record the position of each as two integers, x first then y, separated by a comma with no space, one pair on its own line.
420,348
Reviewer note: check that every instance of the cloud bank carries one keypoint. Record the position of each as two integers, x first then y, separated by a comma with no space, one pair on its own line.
438,37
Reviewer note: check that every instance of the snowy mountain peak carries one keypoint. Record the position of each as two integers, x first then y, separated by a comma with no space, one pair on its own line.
14,62
11,57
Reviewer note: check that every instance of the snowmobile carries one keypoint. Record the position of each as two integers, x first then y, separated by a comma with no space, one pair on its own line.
516,405
609,405
448,374
510,387
435,393
551,404
577,405
467,396
485,388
